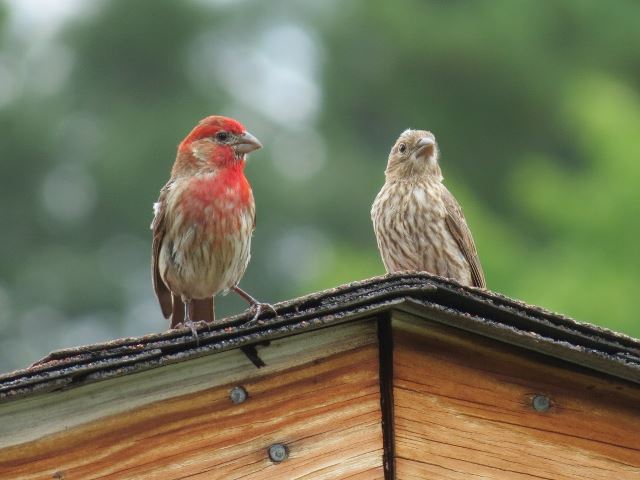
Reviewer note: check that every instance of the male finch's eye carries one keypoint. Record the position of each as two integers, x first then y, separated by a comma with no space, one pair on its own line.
222,136
402,148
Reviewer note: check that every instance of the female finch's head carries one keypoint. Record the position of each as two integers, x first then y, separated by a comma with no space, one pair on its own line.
415,153
214,143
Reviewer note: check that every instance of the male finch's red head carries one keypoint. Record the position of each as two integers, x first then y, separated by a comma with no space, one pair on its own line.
216,142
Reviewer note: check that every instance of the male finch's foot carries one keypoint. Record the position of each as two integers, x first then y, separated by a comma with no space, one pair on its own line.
255,307
258,308
193,326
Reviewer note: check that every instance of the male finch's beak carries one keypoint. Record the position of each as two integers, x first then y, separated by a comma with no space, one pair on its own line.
425,147
247,143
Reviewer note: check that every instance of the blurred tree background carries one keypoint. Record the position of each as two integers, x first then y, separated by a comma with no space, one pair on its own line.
535,106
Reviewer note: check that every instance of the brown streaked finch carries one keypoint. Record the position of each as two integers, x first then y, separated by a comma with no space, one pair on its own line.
418,223
203,223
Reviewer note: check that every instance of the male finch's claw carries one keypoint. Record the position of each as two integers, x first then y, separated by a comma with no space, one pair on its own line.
258,308
193,327
194,332
255,306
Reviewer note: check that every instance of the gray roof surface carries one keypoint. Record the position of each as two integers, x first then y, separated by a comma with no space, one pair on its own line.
430,297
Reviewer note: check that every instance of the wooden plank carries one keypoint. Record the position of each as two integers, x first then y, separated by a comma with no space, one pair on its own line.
463,411
327,412
31,418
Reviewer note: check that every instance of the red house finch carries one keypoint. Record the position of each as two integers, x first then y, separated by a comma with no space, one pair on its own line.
203,222
418,223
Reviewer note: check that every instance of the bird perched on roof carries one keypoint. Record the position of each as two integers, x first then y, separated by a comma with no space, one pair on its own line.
418,223
203,223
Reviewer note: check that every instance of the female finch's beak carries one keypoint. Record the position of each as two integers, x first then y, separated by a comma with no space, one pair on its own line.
425,147
247,143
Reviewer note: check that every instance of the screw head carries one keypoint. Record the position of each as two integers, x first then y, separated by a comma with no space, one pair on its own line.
238,395
540,403
278,452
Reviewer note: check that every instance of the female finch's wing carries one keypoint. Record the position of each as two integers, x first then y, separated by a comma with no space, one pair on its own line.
158,228
459,229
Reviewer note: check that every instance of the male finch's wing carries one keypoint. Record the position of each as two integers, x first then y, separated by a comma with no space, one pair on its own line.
459,229
172,305
158,228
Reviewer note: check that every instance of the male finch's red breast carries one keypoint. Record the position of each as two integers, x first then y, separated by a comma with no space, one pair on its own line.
207,198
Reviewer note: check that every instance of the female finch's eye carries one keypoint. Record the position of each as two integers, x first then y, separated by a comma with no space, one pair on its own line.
402,148
222,136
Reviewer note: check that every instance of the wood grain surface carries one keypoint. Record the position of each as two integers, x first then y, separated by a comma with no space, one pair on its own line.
463,410
39,415
326,411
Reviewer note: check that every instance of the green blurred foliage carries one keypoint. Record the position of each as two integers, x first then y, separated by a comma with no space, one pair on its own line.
535,106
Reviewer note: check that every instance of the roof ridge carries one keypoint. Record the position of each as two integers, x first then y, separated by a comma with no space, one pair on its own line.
471,308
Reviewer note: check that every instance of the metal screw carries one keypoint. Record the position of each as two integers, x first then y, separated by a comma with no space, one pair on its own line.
58,475
238,395
278,452
540,403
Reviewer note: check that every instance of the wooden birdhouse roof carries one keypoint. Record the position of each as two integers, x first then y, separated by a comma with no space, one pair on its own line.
401,376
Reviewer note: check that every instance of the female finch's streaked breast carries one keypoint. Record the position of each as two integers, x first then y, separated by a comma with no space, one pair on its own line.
408,220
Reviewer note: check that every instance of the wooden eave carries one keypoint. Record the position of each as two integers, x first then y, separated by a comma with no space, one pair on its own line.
431,298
